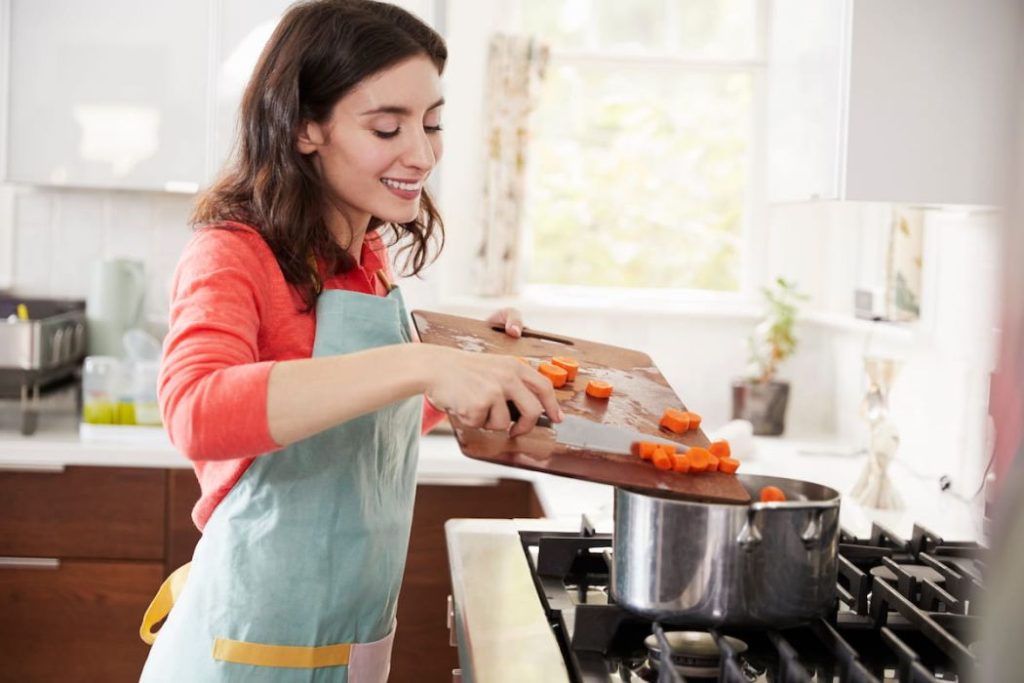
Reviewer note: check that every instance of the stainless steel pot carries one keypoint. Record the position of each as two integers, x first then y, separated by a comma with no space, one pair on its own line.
763,564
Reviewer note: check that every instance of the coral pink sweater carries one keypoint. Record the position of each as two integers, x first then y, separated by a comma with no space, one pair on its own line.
232,317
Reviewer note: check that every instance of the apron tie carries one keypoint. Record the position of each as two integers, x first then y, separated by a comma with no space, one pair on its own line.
162,602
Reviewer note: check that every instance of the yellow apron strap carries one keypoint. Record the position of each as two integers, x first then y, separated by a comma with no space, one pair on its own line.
162,602
292,656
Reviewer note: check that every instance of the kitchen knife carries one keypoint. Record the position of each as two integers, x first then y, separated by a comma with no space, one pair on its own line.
580,432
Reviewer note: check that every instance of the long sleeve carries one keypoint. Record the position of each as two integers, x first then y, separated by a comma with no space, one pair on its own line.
213,385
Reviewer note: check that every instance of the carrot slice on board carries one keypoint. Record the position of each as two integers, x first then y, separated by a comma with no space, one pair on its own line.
698,459
568,364
694,420
661,459
728,465
675,420
720,448
713,462
554,373
599,389
772,494
680,463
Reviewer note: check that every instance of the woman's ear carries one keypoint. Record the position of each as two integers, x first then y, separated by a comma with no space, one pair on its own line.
310,137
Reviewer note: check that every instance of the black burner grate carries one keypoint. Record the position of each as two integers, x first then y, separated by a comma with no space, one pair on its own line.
903,613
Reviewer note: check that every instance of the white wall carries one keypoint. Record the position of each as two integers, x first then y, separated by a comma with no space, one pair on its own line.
59,233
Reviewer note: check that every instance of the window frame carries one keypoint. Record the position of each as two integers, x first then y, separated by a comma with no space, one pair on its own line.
452,181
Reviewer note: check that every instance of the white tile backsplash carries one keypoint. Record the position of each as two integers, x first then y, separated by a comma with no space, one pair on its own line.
59,233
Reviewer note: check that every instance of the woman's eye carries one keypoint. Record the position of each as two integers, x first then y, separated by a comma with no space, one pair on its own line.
433,129
386,134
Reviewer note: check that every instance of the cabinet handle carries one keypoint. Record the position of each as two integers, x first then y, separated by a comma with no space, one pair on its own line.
29,563
53,468
456,675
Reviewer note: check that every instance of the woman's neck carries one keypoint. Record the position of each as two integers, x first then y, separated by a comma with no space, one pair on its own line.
349,232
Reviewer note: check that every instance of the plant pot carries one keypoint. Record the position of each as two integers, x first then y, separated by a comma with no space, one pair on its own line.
763,404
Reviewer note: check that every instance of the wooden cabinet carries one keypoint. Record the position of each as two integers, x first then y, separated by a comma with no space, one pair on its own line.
73,620
908,102
422,651
84,549
81,555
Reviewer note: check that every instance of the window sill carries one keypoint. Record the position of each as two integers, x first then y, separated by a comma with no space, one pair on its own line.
633,303
620,302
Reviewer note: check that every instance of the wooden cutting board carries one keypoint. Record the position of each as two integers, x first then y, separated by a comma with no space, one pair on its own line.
640,397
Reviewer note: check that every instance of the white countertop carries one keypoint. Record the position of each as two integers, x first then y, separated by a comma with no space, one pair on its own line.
57,443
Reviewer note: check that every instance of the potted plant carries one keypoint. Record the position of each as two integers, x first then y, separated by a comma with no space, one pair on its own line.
759,397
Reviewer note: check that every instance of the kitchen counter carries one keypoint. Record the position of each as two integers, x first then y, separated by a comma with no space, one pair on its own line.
826,461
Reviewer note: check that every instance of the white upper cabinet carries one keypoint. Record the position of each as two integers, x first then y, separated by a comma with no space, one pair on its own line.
107,93
905,102
129,94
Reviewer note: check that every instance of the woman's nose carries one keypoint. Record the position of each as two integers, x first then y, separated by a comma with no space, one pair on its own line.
420,153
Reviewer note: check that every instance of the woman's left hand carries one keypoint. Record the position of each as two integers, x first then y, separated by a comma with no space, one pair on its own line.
510,319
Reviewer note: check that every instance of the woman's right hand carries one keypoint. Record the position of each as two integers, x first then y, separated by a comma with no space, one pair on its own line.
476,386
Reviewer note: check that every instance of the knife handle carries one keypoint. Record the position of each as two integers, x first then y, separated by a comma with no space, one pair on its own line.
513,411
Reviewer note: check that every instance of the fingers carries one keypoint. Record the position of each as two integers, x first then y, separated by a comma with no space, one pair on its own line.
544,392
529,407
509,318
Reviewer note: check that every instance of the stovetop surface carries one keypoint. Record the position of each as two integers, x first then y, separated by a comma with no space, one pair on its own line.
903,613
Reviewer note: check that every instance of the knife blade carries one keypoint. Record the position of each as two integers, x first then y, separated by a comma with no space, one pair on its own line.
580,432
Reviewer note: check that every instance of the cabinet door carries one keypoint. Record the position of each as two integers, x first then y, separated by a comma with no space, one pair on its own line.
108,93
84,512
422,651
804,100
73,621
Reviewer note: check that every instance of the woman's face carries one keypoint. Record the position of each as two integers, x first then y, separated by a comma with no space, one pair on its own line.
379,144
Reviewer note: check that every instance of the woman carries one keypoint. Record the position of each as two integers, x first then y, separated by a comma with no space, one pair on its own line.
288,377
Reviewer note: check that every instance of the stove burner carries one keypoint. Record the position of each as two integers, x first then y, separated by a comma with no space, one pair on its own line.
903,608
694,653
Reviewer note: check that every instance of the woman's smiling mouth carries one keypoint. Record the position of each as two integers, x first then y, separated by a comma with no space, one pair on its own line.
403,188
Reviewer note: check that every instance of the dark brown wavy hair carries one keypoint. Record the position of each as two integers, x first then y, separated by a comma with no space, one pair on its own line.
320,50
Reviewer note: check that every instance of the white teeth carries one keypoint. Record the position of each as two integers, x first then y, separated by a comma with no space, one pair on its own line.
408,187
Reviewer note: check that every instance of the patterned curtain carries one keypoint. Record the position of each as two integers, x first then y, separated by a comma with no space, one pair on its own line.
515,71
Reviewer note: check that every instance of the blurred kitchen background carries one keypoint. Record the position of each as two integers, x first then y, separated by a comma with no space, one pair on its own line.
632,172
673,157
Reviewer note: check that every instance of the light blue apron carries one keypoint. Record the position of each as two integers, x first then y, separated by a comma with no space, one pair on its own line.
297,574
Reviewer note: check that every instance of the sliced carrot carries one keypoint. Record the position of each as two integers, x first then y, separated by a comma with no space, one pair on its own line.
772,494
720,448
568,364
668,448
599,389
728,465
554,373
661,459
694,420
712,462
643,449
680,463
698,459
675,420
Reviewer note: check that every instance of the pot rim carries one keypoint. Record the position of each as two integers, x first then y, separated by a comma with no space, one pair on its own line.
753,483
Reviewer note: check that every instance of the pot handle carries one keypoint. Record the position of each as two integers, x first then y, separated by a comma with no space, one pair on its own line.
811,534
750,535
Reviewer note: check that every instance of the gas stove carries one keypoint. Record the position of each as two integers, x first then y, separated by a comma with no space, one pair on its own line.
903,613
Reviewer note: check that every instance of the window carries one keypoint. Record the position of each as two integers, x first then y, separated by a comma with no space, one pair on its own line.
643,145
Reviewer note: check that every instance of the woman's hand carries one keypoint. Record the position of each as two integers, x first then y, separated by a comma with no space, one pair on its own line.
509,318
475,387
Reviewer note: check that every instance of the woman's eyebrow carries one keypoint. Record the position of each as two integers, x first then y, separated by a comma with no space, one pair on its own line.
400,111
